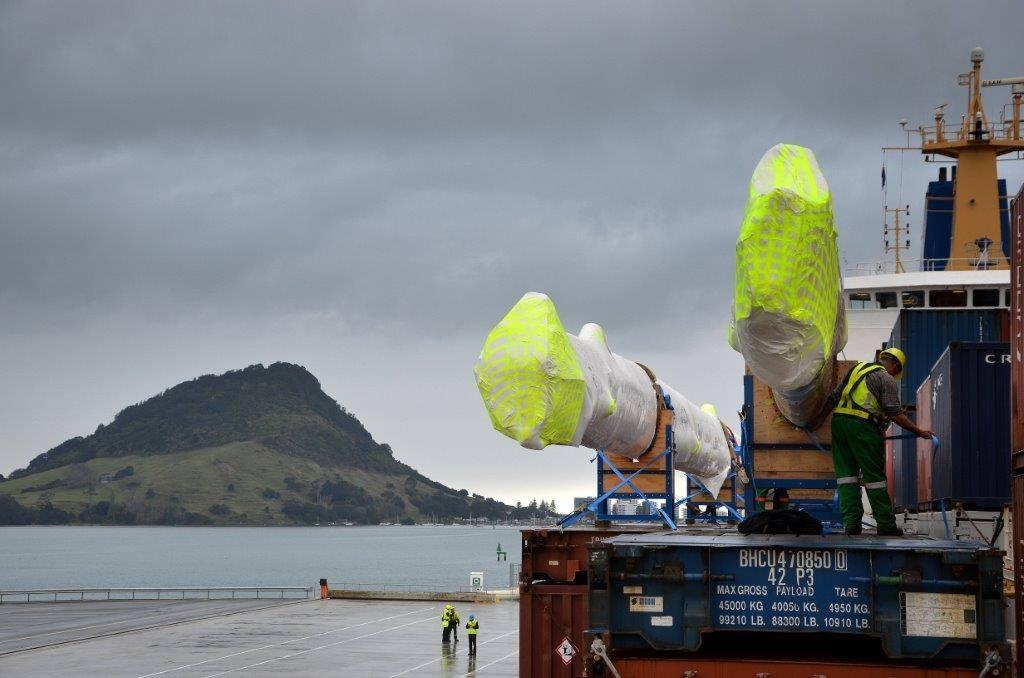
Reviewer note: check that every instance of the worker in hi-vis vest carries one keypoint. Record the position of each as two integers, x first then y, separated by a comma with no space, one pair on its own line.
453,622
446,623
472,626
865,402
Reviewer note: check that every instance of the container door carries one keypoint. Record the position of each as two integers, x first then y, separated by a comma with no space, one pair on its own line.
923,448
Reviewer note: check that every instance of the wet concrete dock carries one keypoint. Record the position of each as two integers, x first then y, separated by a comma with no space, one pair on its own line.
146,639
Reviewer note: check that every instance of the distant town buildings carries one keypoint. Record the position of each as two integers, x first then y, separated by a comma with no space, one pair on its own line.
626,507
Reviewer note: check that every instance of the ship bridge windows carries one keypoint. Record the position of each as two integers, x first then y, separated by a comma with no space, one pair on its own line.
986,297
886,299
947,298
860,300
968,297
912,298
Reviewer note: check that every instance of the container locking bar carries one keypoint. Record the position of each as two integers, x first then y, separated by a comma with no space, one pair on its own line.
676,577
597,647
908,579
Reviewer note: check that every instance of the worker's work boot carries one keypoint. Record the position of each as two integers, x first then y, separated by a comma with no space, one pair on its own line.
853,530
890,532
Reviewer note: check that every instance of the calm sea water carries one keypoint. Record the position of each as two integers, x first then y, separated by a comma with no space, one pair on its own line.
437,558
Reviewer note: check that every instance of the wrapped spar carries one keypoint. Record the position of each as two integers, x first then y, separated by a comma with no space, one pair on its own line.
788,317
543,386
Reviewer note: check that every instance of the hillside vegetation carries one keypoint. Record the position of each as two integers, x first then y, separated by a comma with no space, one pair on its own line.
262,445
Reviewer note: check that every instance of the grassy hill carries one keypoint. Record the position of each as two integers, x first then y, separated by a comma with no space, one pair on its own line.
263,445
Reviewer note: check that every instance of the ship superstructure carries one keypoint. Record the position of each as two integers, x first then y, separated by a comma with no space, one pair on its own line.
965,250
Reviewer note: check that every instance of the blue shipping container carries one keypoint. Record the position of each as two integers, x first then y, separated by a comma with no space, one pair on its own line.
668,591
969,410
923,334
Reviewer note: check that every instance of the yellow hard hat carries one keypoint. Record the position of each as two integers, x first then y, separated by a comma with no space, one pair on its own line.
898,356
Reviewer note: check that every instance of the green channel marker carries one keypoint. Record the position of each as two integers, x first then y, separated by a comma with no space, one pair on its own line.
530,377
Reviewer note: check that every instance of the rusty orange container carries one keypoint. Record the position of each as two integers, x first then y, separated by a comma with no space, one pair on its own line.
560,556
1017,404
1016,337
552,619
925,457
749,668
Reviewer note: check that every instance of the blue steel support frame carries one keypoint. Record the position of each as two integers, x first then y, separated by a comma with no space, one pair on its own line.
729,505
599,507
827,511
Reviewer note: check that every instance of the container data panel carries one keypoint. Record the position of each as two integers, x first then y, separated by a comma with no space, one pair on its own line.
792,590
916,597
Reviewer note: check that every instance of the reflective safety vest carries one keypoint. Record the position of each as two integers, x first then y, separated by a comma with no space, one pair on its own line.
445,618
471,627
856,399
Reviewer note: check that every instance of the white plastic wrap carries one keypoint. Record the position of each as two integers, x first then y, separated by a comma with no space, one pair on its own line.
542,386
620,413
620,407
701,446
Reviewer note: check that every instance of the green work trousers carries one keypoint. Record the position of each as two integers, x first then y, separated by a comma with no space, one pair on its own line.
858,448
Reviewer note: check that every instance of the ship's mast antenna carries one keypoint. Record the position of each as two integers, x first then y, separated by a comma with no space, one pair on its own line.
1018,93
898,231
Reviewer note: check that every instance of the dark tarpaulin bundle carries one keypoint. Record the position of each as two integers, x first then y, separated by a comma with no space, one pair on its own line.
780,521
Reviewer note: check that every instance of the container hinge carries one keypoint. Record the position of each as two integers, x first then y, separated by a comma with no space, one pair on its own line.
597,647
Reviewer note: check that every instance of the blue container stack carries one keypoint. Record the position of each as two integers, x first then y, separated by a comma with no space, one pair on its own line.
969,401
925,333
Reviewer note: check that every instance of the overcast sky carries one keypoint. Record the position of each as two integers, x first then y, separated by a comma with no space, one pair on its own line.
366,188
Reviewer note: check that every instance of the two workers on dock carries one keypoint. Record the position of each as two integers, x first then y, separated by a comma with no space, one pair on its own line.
865,402
450,625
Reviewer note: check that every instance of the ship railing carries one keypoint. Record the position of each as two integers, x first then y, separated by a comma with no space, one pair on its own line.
918,265
999,130
156,593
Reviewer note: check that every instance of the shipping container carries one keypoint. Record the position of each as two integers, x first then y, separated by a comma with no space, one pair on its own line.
1017,317
560,556
923,334
901,471
867,599
923,462
767,668
551,616
967,401
553,604
1017,404
1018,567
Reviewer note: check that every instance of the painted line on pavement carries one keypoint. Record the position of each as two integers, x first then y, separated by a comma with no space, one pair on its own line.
434,661
137,629
496,661
322,647
286,642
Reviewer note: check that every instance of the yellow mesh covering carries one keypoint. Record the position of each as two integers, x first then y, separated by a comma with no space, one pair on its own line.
787,271
529,376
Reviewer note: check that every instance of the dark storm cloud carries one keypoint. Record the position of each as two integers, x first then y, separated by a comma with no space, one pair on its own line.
407,170
379,157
